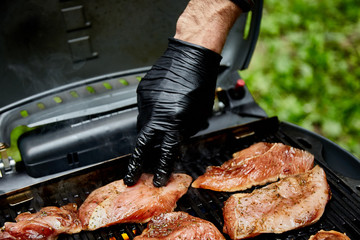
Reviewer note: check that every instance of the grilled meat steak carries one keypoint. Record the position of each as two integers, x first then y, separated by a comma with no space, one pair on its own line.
47,224
117,203
179,225
291,203
259,164
329,235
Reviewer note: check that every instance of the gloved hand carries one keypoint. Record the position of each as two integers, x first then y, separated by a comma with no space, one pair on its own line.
175,98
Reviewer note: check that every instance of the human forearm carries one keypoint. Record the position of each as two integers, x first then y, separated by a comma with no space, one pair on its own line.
207,23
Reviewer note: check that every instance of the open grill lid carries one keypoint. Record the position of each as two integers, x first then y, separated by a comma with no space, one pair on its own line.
45,46
70,58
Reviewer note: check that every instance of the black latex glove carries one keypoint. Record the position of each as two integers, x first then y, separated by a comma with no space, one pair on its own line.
175,99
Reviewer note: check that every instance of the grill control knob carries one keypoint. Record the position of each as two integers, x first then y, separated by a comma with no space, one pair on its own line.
239,89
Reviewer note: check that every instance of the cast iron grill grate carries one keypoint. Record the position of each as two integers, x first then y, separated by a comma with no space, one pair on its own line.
342,212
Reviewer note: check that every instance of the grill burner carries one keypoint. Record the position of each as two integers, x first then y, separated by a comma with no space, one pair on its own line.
342,212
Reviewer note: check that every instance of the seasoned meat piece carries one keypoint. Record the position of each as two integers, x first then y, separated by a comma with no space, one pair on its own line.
118,203
5,235
47,224
329,235
259,164
250,152
291,203
179,225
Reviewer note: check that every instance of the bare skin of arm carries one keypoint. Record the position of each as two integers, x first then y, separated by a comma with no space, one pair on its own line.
207,23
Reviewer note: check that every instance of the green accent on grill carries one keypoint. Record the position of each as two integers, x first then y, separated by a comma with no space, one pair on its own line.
24,113
247,25
58,99
123,82
74,94
90,89
107,86
13,150
138,78
40,105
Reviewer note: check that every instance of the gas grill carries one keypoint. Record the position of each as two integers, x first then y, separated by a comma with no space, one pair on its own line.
70,128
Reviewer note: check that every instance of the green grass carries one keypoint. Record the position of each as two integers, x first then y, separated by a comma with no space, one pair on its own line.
306,67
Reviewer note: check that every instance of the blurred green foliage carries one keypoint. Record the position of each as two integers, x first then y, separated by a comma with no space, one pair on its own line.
306,67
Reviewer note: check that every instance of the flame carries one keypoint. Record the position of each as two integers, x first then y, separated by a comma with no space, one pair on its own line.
124,235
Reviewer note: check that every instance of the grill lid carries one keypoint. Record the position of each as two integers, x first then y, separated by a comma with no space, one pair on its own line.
45,46
73,59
